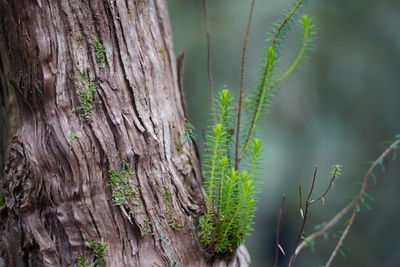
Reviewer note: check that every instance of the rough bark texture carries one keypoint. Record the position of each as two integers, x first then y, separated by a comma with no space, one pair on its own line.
56,162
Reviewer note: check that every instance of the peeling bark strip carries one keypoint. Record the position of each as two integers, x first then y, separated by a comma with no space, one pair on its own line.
114,58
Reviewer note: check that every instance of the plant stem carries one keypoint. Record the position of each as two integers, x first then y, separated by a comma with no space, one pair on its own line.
241,88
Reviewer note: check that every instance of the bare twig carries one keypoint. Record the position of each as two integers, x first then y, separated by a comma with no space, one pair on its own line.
327,189
278,231
300,200
304,216
312,185
325,229
241,87
208,40
342,237
352,206
357,200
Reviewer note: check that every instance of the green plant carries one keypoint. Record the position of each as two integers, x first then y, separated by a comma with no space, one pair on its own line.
231,193
190,135
122,191
73,136
146,228
86,96
230,178
99,249
86,100
100,54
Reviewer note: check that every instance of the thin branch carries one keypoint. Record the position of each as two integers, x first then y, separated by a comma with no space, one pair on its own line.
300,201
309,202
208,40
327,190
278,230
285,22
241,87
312,185
304,217
342,237
352,206
326,228
357,200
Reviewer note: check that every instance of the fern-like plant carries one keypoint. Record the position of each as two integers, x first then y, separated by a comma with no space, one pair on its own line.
231,194
231,180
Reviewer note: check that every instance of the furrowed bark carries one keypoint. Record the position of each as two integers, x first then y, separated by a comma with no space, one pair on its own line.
56,162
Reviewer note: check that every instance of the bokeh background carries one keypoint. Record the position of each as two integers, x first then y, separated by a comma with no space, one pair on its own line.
341,107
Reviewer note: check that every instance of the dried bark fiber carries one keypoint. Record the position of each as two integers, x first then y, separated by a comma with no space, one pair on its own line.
56,185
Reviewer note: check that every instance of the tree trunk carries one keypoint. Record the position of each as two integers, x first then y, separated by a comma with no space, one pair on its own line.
89,86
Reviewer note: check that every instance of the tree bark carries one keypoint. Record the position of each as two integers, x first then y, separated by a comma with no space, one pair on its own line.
57,158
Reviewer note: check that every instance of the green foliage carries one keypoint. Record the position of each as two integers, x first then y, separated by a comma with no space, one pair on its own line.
86,96
231,192
73,136
190,135
146,228
336,170
100,54
310,243
122,191
83,262
259,101
99,249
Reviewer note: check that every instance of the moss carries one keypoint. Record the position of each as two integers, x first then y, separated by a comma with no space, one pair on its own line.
146,228
84,77
83,262
122,191
86,96
179,148
172,220
99,249
73,136
100,54
86,100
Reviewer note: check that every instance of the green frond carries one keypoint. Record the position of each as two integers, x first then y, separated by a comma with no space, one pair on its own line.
282,27
238,222
248,208
336,170
227,208
216,163
224,111
255,158
308,30
231,193
259,100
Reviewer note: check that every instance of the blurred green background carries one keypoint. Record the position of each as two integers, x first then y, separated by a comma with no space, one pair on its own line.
341,107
